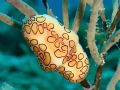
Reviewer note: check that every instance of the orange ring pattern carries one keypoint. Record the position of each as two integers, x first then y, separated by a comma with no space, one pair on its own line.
55,51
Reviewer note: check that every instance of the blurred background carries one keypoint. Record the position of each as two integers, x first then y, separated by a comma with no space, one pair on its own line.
19,67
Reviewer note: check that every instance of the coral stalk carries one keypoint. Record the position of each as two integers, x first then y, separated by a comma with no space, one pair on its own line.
111,31
115,9
65,13
23,7
91,33
101,10
86,85
79,15
49,11
111,41
98,77
90,2
10,21
100,68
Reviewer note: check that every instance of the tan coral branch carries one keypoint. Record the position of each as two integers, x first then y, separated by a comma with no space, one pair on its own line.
115,79
90,2
111,41
101,10
79,15
23,7
115,9
65,13
91,33
102,14
49,11
112,27
6,19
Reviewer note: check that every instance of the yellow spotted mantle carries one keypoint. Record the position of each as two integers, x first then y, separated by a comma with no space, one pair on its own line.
56,47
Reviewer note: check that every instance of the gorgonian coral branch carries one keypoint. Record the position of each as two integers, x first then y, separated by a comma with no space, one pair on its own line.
111,30
111,41
10,21
115,9
65,13
101,10
23,7
86,85
98,77
100,68
115,79
91,33
79,15
49,11
90,2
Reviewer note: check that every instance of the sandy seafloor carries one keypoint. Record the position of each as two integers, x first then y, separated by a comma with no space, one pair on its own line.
19,68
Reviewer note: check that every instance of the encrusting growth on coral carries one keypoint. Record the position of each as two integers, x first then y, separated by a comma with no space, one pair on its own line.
115,79
79,15
65,13
10,21
91,33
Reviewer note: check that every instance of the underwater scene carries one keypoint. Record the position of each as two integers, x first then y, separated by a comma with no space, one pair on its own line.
59,45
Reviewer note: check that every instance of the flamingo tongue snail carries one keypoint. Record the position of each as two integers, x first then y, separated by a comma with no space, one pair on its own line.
56,47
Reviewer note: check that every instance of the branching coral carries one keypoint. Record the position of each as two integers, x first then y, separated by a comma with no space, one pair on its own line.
65,13
79,15
91,33
6,19
31,26
111,41
23,7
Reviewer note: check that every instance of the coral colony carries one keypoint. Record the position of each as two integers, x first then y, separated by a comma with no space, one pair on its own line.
57,48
